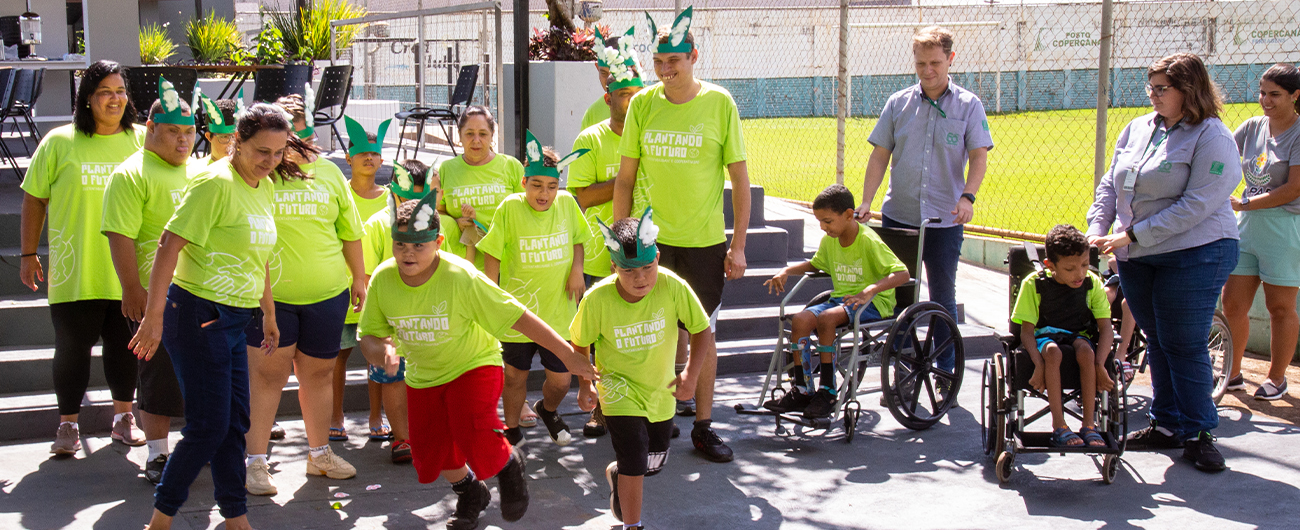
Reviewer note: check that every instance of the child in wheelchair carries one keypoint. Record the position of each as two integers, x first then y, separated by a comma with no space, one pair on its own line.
1066,305
864,273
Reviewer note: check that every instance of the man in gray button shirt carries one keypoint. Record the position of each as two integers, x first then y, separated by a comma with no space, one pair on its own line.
925,135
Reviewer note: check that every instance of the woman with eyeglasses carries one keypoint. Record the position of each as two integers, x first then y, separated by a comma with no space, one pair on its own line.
1162,209
1270,228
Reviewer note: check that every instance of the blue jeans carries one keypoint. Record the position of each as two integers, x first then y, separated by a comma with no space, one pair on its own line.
1173,296
940,257
211,363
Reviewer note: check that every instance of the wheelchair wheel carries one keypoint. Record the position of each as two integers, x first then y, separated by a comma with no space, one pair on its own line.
1109,468
1003,468
917,391
851,412
992,423
1220,355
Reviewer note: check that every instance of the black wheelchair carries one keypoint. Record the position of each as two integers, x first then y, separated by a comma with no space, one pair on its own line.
1005,392
916,390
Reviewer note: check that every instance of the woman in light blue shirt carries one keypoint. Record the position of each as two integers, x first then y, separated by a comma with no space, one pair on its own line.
1270,228
1164,204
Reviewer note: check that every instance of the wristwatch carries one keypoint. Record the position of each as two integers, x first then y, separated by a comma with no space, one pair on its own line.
1245,201
969,196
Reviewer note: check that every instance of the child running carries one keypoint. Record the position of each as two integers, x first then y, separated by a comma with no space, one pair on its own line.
444,316
535,252
1066,304
631,317
863,272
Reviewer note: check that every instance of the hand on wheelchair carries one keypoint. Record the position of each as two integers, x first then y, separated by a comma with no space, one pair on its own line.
853,302
1109,244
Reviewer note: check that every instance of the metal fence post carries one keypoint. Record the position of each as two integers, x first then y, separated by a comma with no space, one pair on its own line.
1103,92
842,93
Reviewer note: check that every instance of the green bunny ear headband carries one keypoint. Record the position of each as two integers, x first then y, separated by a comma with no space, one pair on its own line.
677,40
421,229
641,251
536,166
171,105
217,122
309,112
623,66
361,143
403,184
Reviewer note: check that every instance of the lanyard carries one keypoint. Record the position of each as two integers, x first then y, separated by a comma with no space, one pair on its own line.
934,104
1158,137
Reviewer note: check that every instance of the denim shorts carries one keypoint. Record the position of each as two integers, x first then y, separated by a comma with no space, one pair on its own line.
378,375
1061,337
871,314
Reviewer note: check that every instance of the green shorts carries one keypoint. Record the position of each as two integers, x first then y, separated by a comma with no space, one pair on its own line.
1270,246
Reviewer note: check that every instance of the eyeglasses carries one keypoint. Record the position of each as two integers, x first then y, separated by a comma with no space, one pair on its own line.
1157,90
222,138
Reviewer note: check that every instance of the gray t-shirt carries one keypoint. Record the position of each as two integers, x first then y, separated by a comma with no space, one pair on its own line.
1266,161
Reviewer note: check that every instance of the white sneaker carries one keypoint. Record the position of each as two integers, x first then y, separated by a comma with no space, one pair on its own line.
1270,392
330,465
258,481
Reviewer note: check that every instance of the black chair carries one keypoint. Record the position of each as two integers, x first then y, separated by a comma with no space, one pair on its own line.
334,91
274,83
142,84
26,88
8,77
445,116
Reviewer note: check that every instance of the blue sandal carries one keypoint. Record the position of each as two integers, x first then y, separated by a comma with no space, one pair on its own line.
1091,437
1062,437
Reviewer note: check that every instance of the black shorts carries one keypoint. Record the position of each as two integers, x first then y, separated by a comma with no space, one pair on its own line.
703,268
640,447
158,392
315,328
520,356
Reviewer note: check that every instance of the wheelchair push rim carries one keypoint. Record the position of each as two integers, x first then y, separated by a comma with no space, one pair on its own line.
909,372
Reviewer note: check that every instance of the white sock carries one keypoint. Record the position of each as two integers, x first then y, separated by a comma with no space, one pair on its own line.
633,525
317,452
118,417
253,458
157,447
1164,431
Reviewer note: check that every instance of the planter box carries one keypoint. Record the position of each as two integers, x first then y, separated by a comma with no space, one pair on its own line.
212,88
559,94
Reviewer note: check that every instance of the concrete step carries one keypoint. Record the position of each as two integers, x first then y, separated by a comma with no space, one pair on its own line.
11,222
10,284
25,321
765,245
756,214
750,291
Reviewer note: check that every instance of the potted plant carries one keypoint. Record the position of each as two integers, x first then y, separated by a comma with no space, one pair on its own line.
305,33
214,40
560,76
155,46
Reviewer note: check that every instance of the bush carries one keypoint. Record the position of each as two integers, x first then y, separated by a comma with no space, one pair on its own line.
306,33
214,40
155,46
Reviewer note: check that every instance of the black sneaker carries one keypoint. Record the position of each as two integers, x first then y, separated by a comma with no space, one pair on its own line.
469,506
513,487
792,401
820,405
1201,452
1236,383
1151,439
1270,392
153,469
611,474
555,425
515,436
677,431
706,441
686,408
595,427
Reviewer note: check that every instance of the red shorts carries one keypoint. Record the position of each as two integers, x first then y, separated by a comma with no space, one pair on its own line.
457,424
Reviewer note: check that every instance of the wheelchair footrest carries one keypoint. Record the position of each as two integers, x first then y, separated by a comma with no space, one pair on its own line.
751,410
1041,442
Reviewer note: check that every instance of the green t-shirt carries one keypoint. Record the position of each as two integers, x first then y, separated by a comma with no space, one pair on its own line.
377,239
365,209
483,187
313,217
637,343
597,112
231,230
685,150
142,195
854,268
444,328
72,170
601,165
1028,301
536,253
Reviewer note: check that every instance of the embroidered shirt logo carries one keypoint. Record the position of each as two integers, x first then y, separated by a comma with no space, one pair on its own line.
1216,168
953,139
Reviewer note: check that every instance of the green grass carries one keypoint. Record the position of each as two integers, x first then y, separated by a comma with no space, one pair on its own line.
1040,170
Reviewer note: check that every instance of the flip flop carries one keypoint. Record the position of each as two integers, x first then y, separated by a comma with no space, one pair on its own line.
381,433
1091,437
1062,437
337,434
